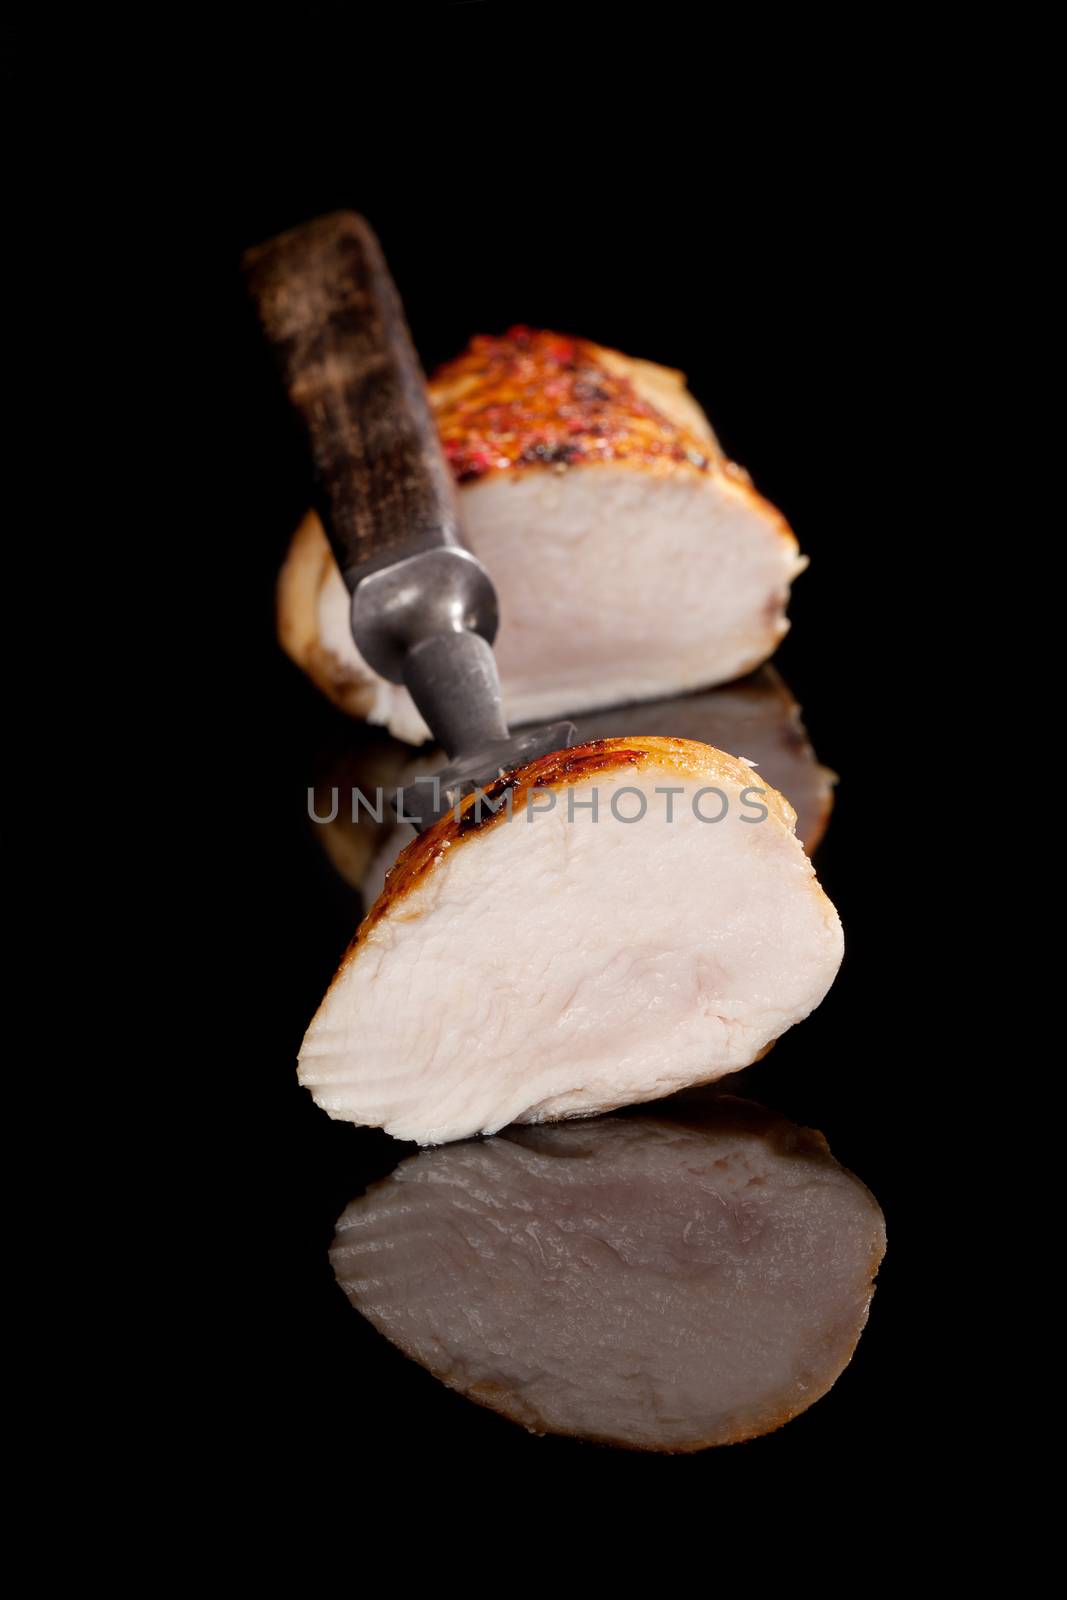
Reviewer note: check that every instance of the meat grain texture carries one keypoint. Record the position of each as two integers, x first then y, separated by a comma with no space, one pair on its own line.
561,962
662,1283
632,560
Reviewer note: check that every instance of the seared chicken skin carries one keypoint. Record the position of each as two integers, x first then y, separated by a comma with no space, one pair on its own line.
631,559
636,916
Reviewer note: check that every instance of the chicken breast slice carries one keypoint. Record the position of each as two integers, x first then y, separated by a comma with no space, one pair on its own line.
663,1282
645,919
632,561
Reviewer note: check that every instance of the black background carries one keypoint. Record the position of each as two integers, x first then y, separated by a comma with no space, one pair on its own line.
784,236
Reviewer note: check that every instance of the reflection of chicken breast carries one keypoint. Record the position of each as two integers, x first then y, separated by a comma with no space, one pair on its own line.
756,718
662,1283
566,959
631,559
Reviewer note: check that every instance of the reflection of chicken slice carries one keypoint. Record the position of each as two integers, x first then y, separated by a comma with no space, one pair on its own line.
662,1282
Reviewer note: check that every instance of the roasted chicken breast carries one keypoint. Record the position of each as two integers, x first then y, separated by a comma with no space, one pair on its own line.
632,561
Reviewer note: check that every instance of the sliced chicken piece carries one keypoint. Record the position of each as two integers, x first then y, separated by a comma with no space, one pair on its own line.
645,919
661,1283
631,559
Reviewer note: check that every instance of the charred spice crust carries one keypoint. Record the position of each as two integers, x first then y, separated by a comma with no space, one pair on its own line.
534,399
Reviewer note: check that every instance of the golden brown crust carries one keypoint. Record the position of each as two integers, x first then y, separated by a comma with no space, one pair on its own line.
561,768
305,572
531,398
299,582
665,388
